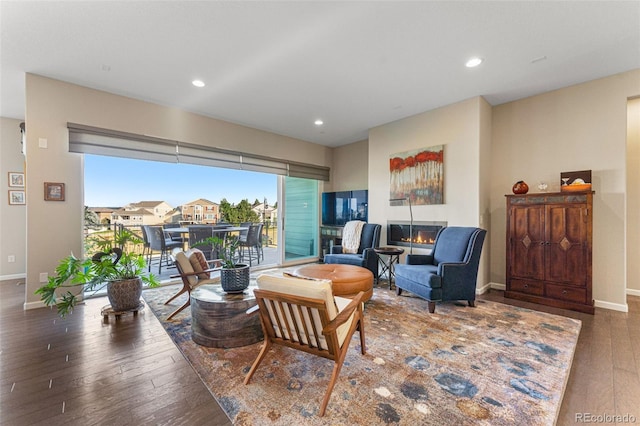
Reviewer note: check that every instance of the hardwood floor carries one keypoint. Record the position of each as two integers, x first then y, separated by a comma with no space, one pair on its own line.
80,370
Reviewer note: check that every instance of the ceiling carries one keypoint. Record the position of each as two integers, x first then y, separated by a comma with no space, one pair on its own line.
279,66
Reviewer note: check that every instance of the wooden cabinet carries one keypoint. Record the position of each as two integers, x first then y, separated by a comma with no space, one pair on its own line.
549,249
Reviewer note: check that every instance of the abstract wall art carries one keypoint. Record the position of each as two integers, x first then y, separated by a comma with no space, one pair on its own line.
418,175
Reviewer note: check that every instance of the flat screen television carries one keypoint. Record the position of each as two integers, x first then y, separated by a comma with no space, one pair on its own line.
340,207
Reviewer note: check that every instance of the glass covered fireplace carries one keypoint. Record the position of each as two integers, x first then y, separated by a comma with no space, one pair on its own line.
424,233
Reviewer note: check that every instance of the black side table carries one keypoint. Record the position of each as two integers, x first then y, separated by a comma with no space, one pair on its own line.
392,257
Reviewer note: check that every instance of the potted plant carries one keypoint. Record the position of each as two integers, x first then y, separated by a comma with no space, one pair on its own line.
234,276
122,272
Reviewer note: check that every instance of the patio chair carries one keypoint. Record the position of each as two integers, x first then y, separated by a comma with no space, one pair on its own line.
158,241
197,234
174,237
304,315
194,270
251,243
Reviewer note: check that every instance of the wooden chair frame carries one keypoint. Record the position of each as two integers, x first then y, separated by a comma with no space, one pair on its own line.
285,303
186,287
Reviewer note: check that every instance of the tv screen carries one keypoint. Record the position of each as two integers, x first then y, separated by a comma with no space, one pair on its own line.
339,208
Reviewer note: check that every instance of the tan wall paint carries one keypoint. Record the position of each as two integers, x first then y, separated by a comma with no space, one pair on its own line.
13,218
55,228
484,185
464,129
350,167
575,128
633,197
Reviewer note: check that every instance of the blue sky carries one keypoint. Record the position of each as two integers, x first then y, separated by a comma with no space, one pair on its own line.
114,182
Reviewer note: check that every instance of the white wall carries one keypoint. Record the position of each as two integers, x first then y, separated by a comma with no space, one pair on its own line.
576,128
55,228
13,217
464,130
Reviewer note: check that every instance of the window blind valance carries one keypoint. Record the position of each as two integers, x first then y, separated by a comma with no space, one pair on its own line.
94,140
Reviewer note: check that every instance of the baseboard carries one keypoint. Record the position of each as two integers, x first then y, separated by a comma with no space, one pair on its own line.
612,306
485,288
498,286
40,304
633,292
13,277
34,305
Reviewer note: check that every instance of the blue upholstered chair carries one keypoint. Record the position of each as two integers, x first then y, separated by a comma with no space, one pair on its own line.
449,272
366,256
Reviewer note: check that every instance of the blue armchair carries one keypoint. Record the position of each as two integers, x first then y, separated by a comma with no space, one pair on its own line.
366,256
449,272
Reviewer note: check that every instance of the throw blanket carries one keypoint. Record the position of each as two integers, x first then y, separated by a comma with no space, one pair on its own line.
351,236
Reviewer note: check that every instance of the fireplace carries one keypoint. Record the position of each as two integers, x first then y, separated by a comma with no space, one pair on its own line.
424,233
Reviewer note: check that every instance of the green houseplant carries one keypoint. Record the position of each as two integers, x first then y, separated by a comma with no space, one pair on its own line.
123,272
234,276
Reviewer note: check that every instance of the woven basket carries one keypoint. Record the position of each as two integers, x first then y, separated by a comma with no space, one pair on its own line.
235,280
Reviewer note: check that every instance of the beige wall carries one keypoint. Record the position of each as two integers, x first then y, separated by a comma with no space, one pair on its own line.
13,218
486,151
350,167
576,128
51,104
464,129
633,197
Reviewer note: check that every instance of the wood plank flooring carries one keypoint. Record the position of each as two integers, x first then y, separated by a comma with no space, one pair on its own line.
81,371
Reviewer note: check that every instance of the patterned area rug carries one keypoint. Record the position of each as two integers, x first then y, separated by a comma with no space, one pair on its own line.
490,365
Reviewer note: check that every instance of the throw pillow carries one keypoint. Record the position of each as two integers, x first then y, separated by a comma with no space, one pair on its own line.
199,263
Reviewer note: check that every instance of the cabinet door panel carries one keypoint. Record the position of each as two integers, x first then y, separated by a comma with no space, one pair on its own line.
566,259
527,242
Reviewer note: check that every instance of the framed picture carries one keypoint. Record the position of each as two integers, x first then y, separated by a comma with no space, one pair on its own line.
16,198
417,176
53,191
16,180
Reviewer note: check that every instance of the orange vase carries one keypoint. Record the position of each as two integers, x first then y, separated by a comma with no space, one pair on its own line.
520,187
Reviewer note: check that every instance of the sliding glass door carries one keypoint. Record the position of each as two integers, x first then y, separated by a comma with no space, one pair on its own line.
300,219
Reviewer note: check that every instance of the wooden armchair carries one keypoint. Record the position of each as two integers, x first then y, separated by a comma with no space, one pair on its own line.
194,270
303,314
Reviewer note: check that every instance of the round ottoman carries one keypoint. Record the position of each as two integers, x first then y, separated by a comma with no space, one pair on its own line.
347,280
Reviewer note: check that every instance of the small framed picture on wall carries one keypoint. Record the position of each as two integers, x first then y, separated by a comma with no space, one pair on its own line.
53,191
17,198
16,180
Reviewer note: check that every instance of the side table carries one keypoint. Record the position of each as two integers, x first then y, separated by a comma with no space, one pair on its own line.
220,320
392,258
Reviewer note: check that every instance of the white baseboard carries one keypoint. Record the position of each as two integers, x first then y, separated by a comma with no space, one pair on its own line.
34,305
633,292
40,304
498,286
612,306
485,288
13,277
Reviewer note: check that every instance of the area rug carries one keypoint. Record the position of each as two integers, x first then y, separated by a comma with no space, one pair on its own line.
494,364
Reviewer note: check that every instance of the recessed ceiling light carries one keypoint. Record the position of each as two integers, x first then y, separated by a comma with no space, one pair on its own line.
198,83
318,122
473,62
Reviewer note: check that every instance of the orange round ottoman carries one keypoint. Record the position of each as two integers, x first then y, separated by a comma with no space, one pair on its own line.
347,280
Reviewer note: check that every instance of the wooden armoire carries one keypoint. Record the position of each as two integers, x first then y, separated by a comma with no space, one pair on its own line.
549,249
